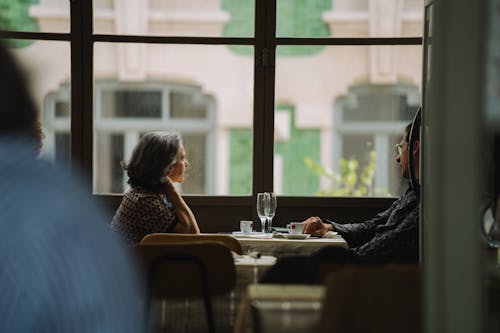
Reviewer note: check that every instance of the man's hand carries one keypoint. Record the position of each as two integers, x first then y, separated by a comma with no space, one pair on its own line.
316,227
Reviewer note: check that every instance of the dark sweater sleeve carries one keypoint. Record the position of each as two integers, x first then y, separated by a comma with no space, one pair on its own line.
400,244
357,234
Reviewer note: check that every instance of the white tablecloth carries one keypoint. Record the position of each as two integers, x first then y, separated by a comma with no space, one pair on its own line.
280,247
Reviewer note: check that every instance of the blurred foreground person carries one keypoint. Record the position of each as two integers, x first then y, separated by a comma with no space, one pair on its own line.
62,270
18,114
152,204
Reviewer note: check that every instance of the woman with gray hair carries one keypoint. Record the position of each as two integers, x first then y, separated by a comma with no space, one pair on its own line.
152,204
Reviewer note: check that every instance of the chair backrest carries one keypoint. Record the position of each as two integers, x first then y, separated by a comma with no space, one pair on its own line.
180,270
167,238
199,269
373,299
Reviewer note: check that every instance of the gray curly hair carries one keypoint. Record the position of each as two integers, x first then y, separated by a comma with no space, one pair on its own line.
153,155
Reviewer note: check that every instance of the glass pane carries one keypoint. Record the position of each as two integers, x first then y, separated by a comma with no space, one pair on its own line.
122,103
110,149
47,65
336,127
212,18
204,92
188,105
349,18
196,145
62,109
34,16
62,147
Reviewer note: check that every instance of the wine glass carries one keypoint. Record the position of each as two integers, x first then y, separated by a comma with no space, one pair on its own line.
263,208
272,211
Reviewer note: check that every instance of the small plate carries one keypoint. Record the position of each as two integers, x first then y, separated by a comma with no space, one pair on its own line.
239,233
253,234
298,236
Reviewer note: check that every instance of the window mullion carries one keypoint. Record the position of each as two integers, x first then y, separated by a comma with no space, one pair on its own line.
265,26
81,89
76,132
269,67
88,91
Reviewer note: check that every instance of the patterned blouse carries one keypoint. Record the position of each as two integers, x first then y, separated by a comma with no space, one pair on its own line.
143,212
392,235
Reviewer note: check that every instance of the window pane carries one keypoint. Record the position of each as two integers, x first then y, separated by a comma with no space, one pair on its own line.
121,103
47,64
188,105
62,109
33,16
230,18
349,18
204,92
196,178
110,149
336,126
62,147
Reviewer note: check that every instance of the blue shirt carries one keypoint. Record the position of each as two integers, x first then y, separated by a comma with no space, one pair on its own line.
61,268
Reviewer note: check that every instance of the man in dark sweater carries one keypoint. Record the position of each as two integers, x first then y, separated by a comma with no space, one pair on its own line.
391,236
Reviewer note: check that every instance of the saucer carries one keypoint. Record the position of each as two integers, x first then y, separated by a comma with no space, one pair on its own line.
298,236
253,234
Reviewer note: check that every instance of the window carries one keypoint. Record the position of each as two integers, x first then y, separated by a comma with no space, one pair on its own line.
264,96
368,121
125,112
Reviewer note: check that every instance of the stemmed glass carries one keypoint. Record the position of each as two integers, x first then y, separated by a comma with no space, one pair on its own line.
272,211
263,200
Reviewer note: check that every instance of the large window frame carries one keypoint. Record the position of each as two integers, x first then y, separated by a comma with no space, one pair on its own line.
264,42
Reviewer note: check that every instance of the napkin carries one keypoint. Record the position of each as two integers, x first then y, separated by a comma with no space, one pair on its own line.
332,234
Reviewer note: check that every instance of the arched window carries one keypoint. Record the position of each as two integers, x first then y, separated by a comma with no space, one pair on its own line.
371,118
126,111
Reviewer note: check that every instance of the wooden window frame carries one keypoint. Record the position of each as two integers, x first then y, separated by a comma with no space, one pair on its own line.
216,213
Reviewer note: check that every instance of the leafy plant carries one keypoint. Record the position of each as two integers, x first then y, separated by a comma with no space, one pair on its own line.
350,181
14,15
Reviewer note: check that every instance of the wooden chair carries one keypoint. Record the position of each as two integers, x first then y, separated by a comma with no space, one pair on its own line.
167,238
176,271
373,299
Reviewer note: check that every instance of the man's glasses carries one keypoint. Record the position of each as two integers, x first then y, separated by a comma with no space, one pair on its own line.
399,148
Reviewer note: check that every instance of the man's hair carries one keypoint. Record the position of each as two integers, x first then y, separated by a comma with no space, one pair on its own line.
153,155
407,133
18,114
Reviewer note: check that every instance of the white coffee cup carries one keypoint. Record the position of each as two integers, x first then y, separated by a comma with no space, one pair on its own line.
246,226
294,228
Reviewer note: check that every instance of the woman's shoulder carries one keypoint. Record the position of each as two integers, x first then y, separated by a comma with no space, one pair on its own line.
139,196
139,192
148,203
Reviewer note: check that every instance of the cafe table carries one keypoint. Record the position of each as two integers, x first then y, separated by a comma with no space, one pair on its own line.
280,308
269,244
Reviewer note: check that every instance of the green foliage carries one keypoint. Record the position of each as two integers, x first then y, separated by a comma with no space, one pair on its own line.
14,16
297,178
240,161
302,18
295,18
350,181
242,18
